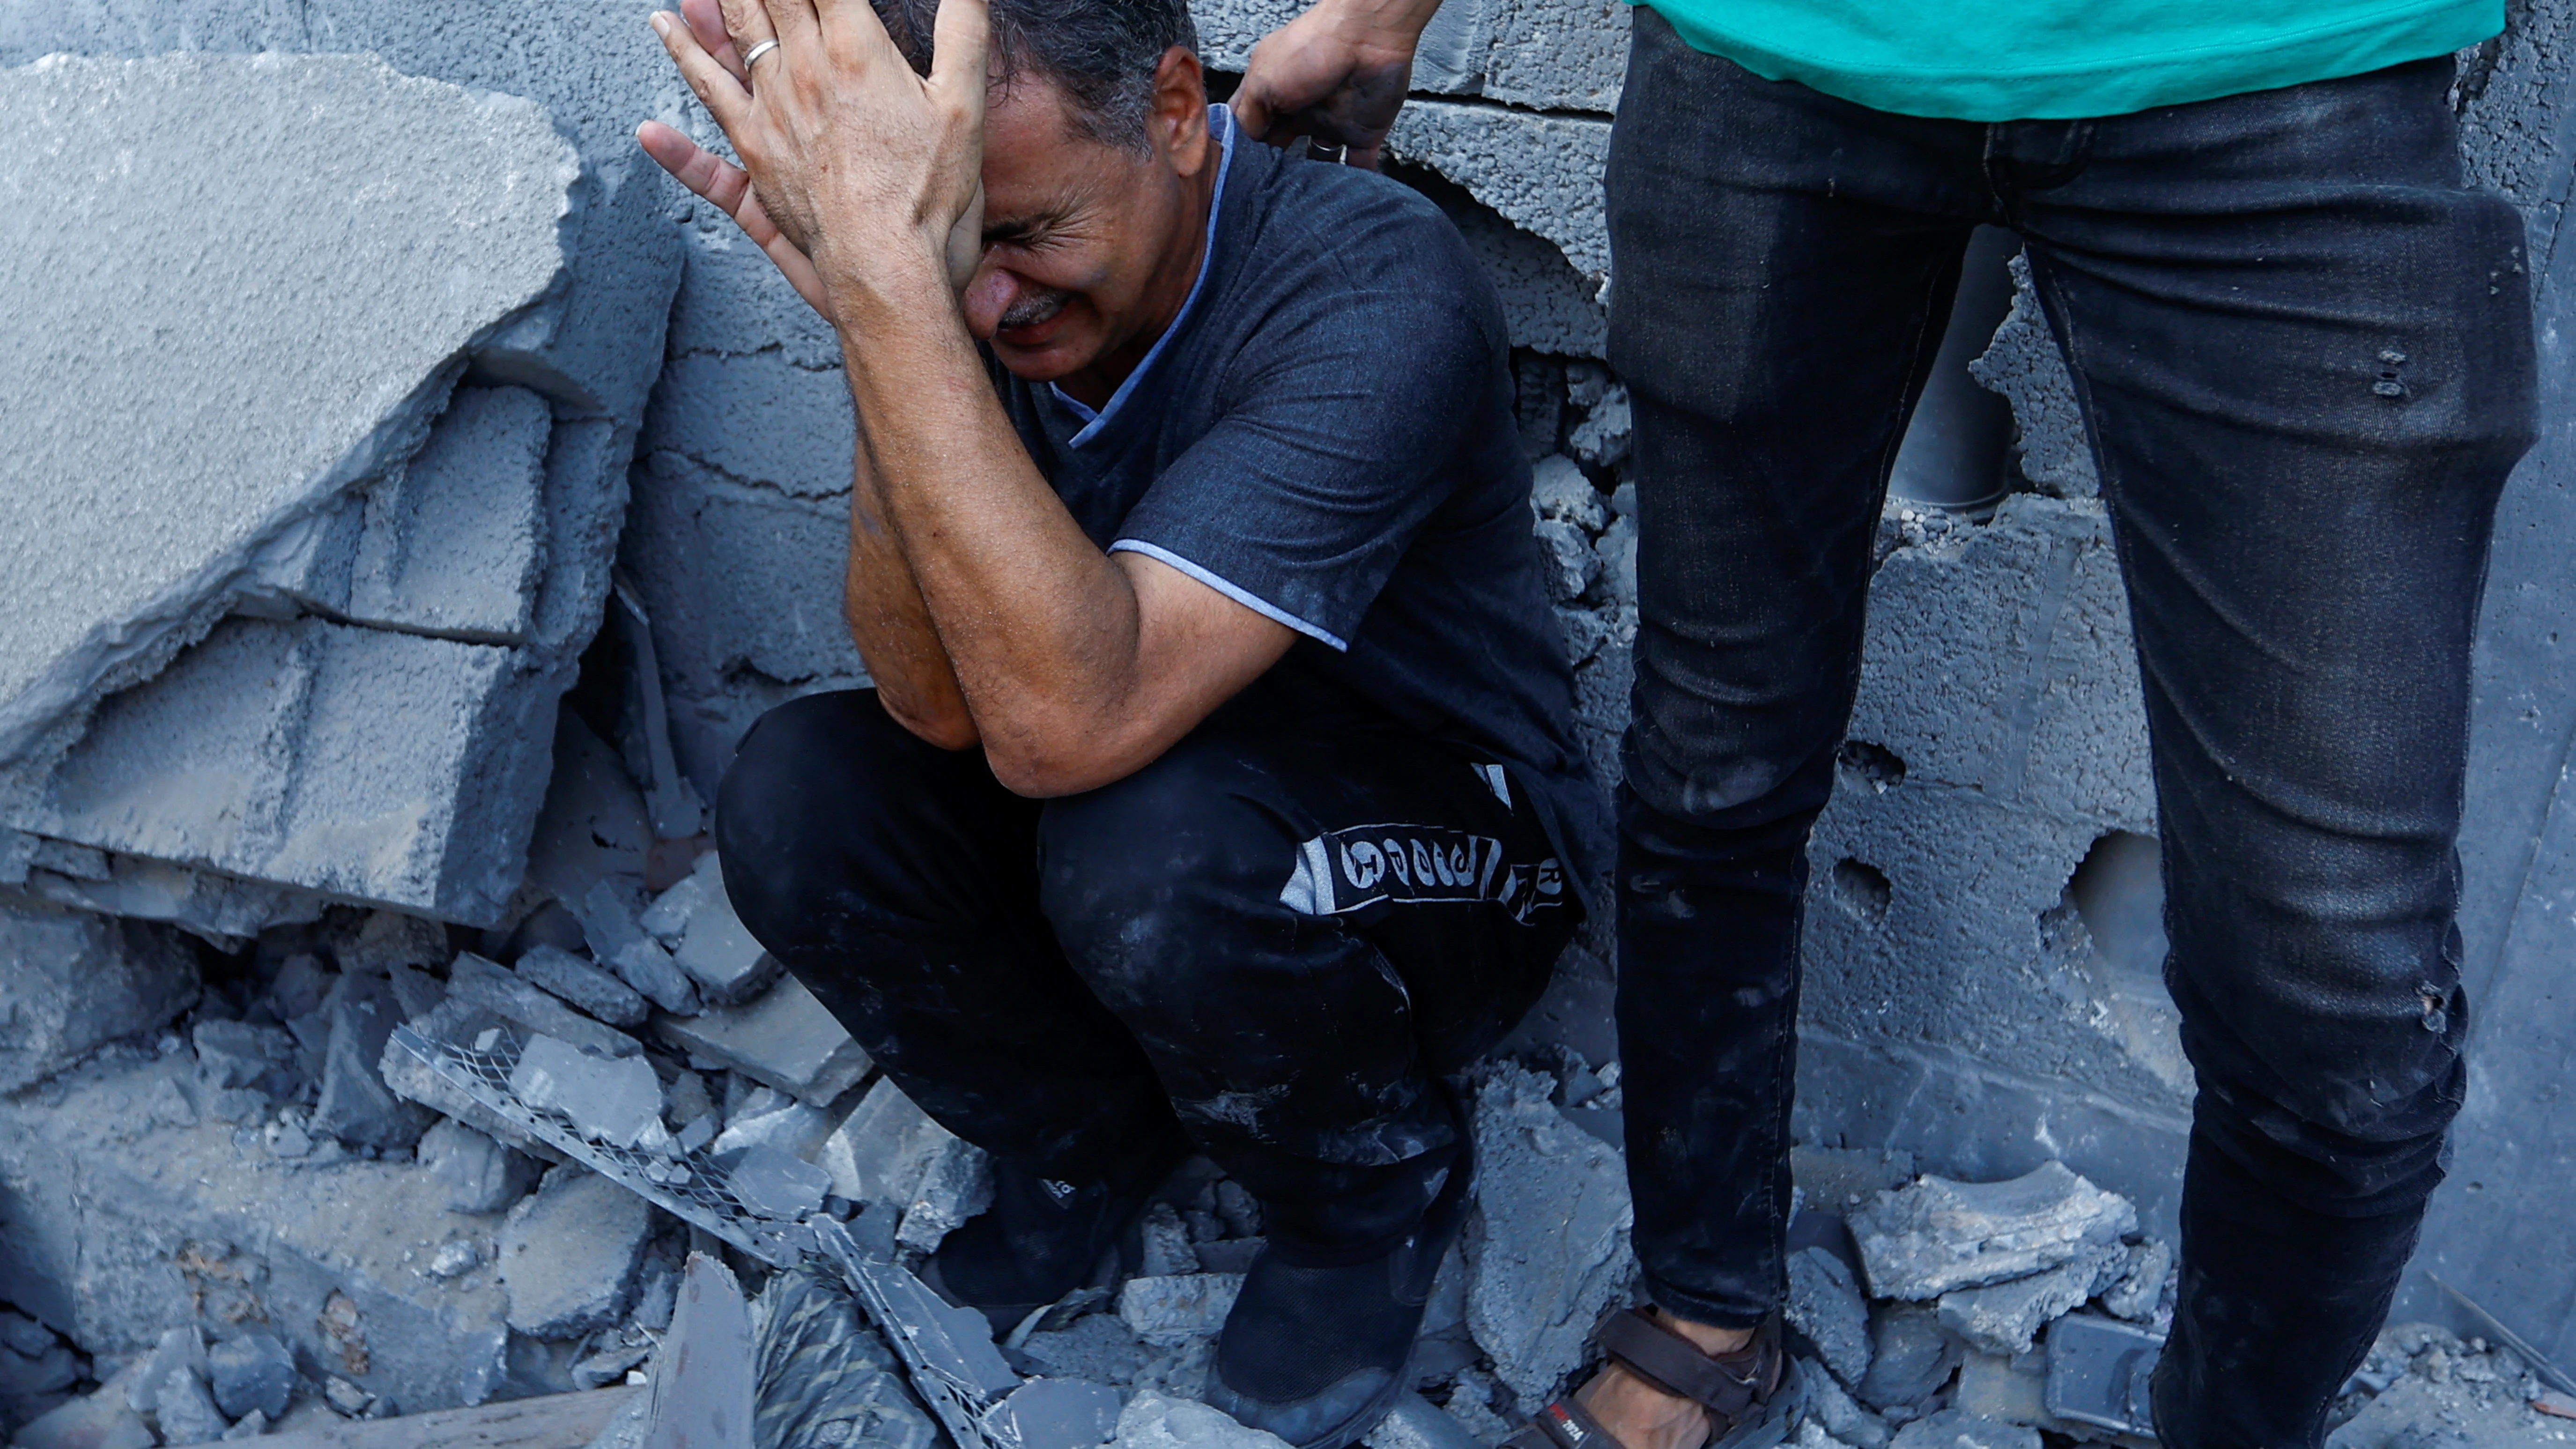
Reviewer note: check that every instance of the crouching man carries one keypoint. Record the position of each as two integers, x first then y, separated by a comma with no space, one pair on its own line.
1218,788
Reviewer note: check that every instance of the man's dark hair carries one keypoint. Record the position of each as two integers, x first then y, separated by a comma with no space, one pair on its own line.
1103,52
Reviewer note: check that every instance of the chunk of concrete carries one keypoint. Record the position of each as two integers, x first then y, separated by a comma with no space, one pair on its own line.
1841,1414
184,1410
355,1105
1169,1312
478,1174
1912,1356
1952,1429
2010,1390
474,981
608,921
617,1100
772,1184
252,1373
583,985
2141,1288
174,331
1548,1241
74,981
1417,1423
785,1039
240,1054
718,952
1940,1235
572,1255
2005,1318
879,1153
1826,1305
1154,1421
957,1185
770,1118
706,1378
1060,1414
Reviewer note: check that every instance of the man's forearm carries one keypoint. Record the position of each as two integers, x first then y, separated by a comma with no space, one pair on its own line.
1039,627
891,626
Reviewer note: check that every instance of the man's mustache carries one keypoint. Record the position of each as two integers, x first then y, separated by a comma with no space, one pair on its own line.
1032,308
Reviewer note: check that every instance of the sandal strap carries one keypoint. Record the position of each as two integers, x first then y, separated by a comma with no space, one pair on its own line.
1730,1385
1564,1424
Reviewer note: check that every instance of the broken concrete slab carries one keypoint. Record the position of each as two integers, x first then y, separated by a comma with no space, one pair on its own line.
455,543
705,1377
184,1411
1940,1235
391,289
785,1039
478,1174
572,1255
1548,1240
1417,1423
956,1186
238,1054
120,1227
2005,1318
2099,1373
1169,1312
101,1420
879,1153
617,1100
74,981
359,763
582,984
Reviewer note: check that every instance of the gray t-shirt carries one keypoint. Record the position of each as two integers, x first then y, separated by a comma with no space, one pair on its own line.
1325,435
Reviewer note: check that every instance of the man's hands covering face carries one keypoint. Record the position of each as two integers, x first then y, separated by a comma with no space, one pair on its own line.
859,170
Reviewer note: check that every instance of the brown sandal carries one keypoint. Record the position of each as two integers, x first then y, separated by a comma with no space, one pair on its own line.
1751,1394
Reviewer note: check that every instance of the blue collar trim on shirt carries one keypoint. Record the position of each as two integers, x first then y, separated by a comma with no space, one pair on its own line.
1093,422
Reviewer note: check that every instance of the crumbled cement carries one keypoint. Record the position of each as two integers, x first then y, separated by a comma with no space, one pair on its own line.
785,1039
1938,1235
1168,1312
1096,1346
2009,1390
1840,1414
583,985
2141,1288
478,1174
955,1186
102,1420
1952,1429
614,1099
772,1119
572,1254
252,1373
71,981
240,1054
1156,1421
1826,1305
1167,1248
1548,1240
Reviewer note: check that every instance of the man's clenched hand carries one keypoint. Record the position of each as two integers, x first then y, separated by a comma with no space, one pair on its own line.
1336,74
857,165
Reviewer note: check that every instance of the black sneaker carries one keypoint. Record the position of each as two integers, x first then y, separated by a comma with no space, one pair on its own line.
1040,1240
1318,1346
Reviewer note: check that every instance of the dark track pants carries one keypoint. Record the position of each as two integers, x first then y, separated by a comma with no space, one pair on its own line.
2304,355
1273,939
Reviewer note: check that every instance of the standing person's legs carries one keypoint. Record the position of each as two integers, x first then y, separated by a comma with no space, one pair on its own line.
2304,353
1786,264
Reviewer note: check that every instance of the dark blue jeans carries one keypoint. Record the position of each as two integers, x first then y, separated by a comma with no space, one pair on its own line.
2304,355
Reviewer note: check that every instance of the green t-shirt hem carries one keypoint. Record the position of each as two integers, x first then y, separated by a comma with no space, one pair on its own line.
2097,83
